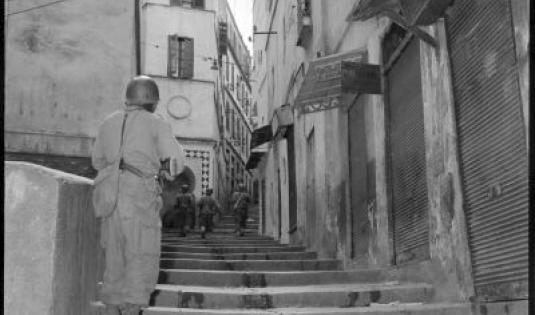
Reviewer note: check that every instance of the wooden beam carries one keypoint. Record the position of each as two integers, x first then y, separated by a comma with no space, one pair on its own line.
398,19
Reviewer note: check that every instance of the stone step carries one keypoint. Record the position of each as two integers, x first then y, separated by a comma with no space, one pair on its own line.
218,278
217,241
226,233
228,250
224,225
374,309
339,295
264,265
222,245
238,256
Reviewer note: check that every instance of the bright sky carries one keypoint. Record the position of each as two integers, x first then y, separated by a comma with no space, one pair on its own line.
243,14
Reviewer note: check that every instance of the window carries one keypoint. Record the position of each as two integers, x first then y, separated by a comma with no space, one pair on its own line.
180,57
232,77
227,115
197,4
226,69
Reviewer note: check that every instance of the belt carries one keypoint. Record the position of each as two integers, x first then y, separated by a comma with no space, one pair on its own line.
132,169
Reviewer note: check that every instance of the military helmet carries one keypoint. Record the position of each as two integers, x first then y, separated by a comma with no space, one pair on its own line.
142,90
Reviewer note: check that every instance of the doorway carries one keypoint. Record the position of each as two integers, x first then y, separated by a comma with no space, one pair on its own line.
360,224
311,188
406,147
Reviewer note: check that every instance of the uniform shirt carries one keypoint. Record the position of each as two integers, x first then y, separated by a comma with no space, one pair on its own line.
240,200
148,140
208,205
185,201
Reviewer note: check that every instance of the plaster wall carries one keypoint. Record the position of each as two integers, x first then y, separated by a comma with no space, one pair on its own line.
160,21
52,242
66,69
199,119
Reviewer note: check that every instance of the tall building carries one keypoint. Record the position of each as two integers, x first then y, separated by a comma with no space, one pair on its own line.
196,54
399,138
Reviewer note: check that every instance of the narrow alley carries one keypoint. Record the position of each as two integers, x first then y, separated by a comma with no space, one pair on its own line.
373,153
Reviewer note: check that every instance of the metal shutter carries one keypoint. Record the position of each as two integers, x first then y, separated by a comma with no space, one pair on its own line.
407,157
492,145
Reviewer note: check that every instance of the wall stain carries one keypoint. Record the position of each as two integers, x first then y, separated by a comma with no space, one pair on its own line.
375,296
254,280
352,299
264,301
190,300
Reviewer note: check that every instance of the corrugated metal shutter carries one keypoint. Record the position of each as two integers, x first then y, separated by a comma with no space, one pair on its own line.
492,145
407,157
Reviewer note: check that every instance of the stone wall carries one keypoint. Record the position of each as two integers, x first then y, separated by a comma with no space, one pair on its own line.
67,66
52,255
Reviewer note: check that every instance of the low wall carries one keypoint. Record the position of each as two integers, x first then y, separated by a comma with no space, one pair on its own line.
52,255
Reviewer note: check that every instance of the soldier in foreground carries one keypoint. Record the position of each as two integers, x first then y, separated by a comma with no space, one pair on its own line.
240,203
133,148
208,207
185,205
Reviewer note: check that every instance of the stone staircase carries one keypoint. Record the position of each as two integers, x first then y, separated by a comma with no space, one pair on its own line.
224,274
253,274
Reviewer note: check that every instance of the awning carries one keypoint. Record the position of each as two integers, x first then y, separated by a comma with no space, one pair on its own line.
254,159
332,81
261,135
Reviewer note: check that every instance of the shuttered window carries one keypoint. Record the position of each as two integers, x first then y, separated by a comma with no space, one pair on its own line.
180,57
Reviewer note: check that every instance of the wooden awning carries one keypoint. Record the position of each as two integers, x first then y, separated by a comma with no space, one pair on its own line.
261,135
332,81
254,159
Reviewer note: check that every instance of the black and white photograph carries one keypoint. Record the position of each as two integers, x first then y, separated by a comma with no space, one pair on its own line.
267,157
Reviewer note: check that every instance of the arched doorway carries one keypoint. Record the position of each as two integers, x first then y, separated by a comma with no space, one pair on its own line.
171,188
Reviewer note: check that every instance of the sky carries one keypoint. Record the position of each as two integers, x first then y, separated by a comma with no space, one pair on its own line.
243,14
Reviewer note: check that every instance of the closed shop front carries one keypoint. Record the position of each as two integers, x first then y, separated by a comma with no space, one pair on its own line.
492,145
406,147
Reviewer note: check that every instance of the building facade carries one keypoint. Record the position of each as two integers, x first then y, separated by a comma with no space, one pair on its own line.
66,72
399,138
66,69
237,103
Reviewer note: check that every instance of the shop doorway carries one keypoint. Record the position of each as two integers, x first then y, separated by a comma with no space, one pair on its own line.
406,146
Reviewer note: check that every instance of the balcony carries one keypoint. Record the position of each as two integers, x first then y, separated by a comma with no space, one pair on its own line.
304,22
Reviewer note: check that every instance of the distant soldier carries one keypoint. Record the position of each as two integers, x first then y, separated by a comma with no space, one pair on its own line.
208,207
185,206
240,202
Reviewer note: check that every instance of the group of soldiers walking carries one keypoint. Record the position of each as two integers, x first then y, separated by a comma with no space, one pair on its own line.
182,216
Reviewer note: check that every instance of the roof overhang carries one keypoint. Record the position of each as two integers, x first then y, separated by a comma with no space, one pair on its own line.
254,158
261,135
333,81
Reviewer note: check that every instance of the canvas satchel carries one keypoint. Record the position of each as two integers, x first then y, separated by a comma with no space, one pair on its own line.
106,184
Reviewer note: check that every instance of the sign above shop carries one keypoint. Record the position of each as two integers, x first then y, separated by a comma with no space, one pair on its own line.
330,81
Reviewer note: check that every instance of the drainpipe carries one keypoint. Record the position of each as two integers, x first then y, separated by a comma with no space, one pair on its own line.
137,36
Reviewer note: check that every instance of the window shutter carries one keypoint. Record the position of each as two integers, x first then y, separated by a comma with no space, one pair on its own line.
186,58
172,56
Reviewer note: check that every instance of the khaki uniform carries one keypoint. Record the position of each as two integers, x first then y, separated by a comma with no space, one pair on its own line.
208,207
240,201
131,235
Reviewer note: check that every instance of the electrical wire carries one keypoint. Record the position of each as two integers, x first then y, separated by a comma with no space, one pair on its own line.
36,7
